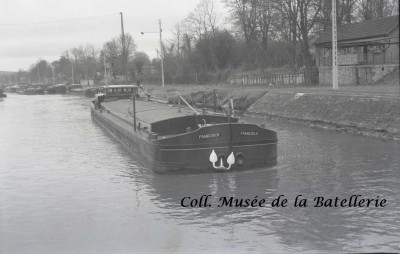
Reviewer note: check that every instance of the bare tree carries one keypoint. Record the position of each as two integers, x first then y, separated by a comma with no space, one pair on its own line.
140,59
112,52
372,9
253,20
130,46
345,13
203,20
302,16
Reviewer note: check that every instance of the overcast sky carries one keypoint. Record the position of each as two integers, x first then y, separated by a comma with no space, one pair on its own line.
43,29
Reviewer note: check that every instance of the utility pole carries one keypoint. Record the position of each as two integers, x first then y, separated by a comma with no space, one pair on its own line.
161,51
134,109
72,69
334,48
162,55
105,67
123,47
52,73
38,73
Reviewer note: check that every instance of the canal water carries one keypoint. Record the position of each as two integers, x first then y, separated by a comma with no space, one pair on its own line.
68,187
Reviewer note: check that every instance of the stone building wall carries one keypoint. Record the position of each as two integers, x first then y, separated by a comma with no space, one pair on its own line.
355,75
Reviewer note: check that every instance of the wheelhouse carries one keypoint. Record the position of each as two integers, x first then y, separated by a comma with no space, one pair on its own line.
118,91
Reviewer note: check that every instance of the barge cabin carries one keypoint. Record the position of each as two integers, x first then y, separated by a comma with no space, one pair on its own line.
118,91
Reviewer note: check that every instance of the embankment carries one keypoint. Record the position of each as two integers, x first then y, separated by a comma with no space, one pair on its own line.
366,114
373,111
207,96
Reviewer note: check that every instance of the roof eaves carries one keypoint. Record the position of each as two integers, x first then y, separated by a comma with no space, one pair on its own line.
391,30
384,33
350,41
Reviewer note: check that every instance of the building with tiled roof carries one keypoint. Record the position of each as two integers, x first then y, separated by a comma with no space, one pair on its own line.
371,42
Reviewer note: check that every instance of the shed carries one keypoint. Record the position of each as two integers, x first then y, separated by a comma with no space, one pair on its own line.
371,42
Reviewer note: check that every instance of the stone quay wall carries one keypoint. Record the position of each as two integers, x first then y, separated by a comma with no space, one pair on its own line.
378,115
355,75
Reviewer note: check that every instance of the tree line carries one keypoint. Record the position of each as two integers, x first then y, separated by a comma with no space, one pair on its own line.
88,63
256,35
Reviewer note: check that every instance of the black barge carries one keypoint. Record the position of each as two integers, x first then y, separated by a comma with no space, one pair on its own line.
172,139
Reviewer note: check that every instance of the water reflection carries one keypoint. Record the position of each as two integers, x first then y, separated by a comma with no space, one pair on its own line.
311,163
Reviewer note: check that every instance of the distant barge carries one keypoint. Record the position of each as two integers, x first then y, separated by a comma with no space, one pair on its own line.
2,94
171,139
38,89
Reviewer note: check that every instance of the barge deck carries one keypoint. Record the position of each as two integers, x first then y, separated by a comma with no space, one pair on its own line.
172,139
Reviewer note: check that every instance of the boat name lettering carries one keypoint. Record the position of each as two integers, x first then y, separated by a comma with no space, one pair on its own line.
209,135
248,133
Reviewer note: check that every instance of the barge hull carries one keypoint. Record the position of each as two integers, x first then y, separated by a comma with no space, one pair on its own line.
183,154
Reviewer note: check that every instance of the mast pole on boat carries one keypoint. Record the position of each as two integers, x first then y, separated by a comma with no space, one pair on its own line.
197,113
233,110
230,128
215,100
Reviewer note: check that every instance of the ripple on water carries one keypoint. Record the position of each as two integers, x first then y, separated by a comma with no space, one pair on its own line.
67,185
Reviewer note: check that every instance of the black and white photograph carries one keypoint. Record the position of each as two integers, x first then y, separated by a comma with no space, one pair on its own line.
199,126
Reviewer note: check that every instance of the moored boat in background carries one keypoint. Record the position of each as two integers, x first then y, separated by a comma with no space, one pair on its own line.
22,89
12,89
2,94
75,88
35,90
60,89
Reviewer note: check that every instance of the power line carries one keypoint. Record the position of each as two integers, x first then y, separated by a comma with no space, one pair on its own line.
56,21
